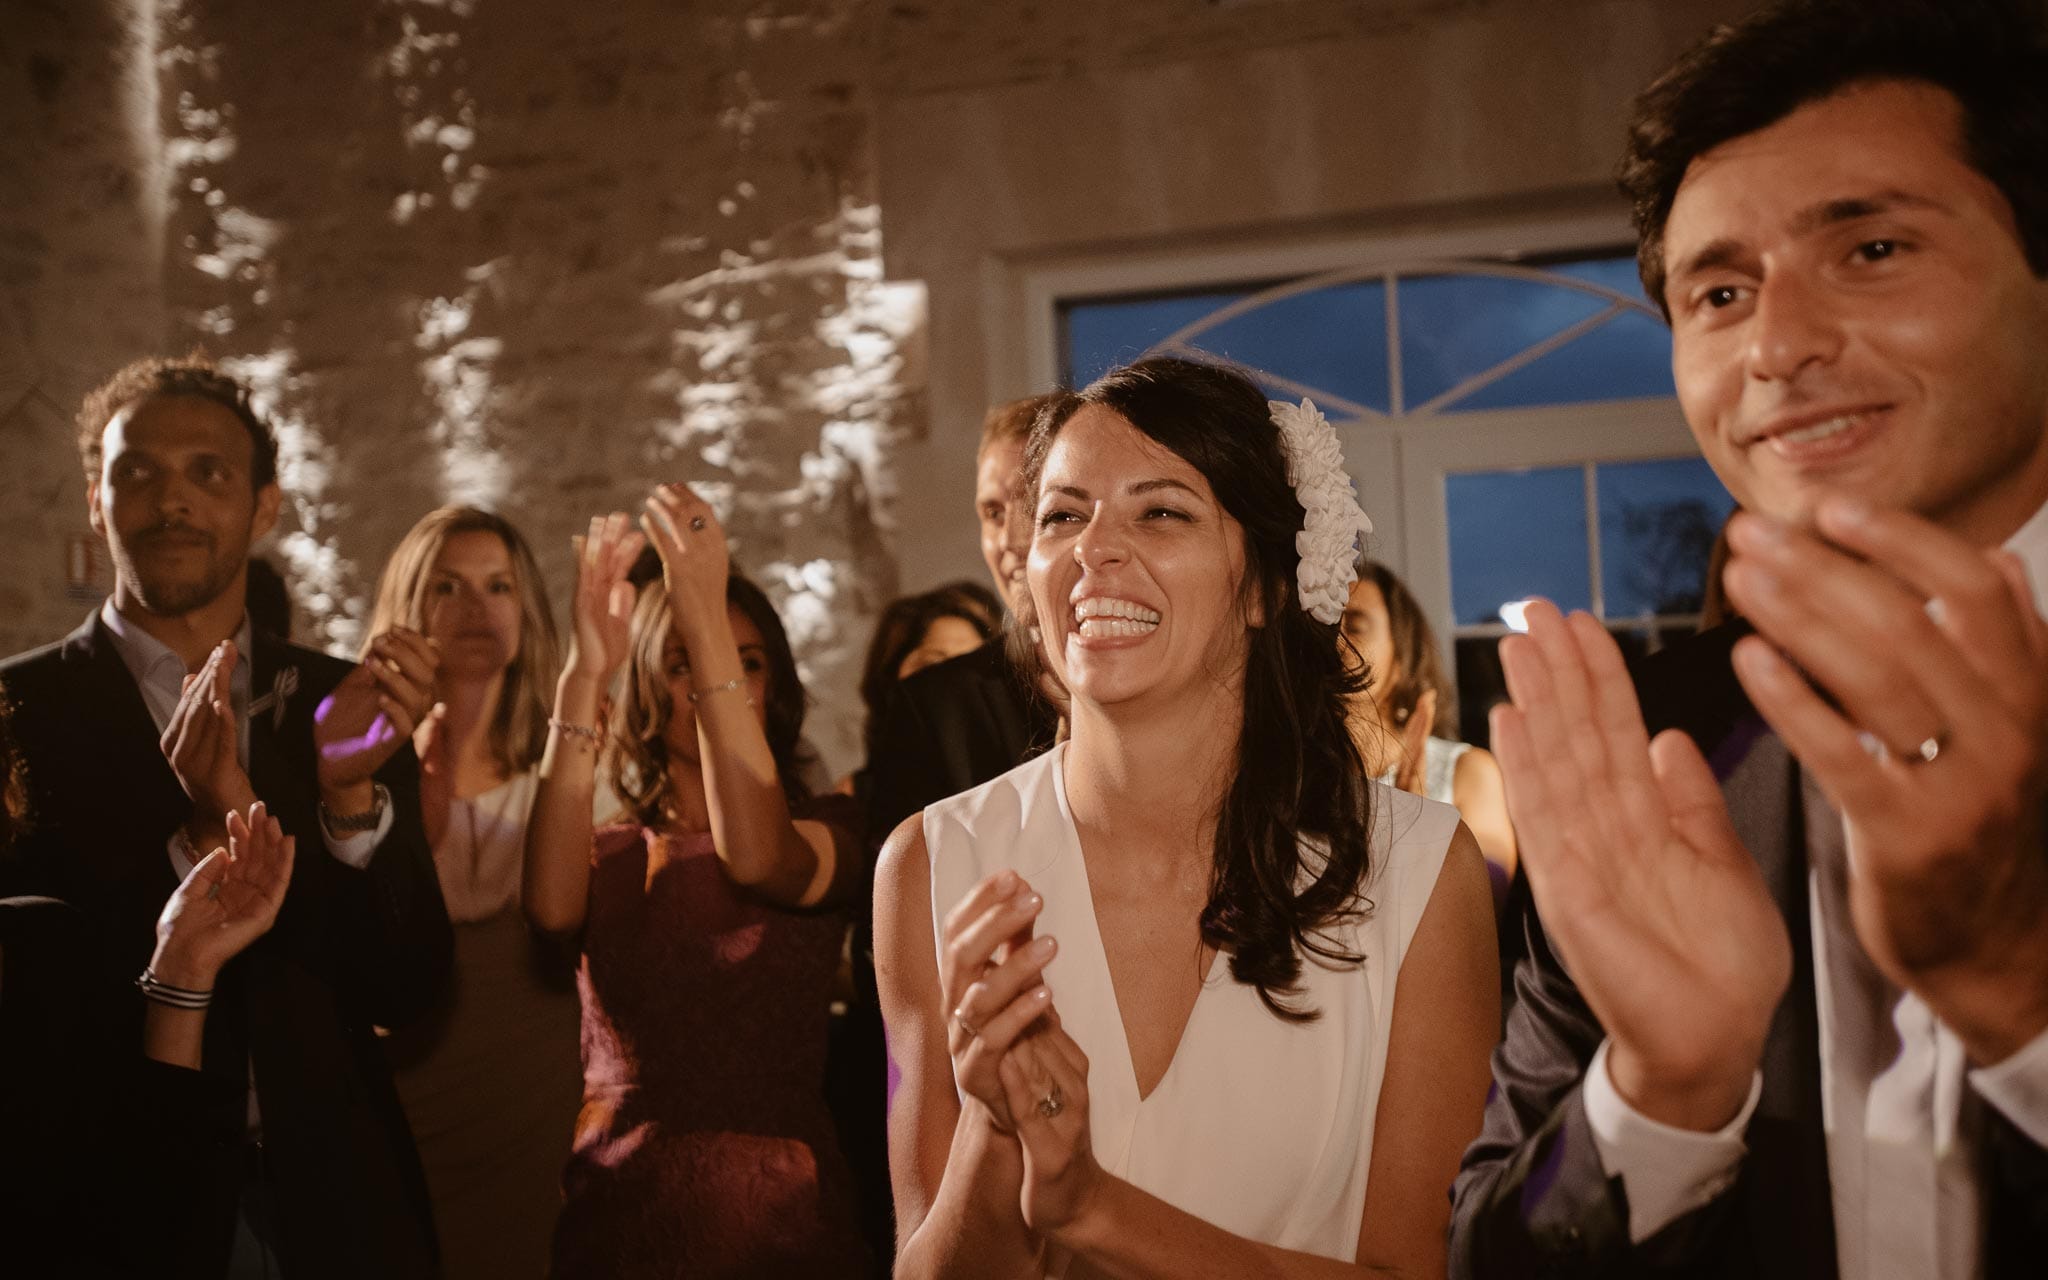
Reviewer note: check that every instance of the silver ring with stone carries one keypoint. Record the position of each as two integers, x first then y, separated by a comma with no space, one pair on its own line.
1052,1103
696,524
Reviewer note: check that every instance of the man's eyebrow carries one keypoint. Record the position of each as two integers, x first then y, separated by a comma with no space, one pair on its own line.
1729,252
1714,256
1849,208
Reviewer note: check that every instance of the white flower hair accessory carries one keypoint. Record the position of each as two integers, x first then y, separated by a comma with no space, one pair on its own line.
1334,532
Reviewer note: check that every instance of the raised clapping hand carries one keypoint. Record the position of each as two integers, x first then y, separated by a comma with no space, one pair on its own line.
1010,1054
603,605
1930,647
694,559
372,712
226,902
1046,1088
437,773
1412,774
1647,895
201,744
990,978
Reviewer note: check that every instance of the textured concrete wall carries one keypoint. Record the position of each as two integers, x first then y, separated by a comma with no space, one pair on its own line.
539,255
531,255
81,210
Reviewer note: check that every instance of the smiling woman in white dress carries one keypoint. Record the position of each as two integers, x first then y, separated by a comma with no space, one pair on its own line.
1187,996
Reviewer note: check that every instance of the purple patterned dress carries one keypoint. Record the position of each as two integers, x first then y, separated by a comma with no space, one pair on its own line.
704,1147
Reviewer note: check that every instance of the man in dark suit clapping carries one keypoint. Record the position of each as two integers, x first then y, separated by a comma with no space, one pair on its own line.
140,732
1786,1012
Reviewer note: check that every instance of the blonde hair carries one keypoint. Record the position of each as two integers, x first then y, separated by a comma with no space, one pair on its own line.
519,730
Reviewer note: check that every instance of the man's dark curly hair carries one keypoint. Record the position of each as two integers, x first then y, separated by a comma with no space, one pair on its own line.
192,375
1990,55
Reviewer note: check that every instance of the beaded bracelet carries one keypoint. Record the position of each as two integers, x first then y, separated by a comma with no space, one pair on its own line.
733,685
578,730
165,994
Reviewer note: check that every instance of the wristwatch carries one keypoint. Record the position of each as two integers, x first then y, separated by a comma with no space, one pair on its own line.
348,824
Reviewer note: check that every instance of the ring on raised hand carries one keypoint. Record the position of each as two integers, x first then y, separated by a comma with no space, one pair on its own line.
1929,749
696,524
1052,1103
213,891
1926,752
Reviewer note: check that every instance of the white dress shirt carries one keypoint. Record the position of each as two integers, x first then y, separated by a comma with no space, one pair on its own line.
160,678
1899,1104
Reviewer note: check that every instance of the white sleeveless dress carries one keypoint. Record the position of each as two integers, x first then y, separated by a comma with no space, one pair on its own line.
1260,1126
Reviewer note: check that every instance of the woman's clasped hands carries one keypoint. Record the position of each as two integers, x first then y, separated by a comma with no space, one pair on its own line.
1010,1054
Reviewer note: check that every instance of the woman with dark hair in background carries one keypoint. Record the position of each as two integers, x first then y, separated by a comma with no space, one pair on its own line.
1189,995
704,1147
1406,720
915,632
490,1080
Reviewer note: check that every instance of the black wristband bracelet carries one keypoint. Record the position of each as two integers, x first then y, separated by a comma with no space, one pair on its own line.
349,824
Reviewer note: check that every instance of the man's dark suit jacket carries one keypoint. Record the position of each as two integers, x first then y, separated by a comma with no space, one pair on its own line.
351,950
86,1121
948,729
1533,1200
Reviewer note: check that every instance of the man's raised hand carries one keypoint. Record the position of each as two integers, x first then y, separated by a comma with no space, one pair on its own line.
1648,896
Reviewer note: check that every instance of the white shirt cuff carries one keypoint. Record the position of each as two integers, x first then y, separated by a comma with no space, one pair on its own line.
2018,1087
357,849
183,856
1667,1172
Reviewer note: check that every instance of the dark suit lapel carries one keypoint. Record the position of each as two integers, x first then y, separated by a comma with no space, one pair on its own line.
122,742
281,765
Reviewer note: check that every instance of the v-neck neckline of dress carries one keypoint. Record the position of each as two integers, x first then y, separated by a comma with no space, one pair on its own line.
1099,958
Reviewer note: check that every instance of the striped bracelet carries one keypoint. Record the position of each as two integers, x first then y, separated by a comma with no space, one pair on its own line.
166,994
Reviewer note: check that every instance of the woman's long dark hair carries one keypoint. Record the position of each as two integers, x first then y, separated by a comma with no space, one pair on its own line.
639,743
1299,775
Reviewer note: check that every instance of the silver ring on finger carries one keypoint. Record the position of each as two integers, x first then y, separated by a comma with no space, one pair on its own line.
1051,1104
696,524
